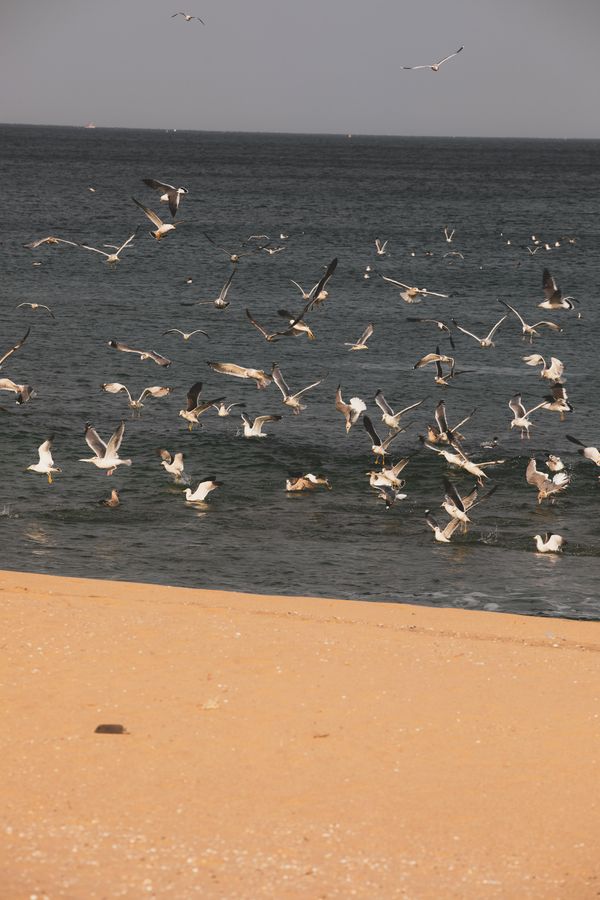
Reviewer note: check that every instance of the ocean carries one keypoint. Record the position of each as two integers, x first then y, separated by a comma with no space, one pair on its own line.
332,196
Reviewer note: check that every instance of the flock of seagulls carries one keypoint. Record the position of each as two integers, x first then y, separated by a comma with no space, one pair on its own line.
460,498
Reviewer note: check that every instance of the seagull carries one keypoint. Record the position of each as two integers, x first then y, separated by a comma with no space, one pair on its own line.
234,257
389,475
297,327
51,239
442,535
113,501
15,347
445,434
24,392
270,337
557,401
45,465
438,324
448,235
457,507
435,66
111,257
554,463
486,341
409,293
351,411
205,486
546,486
438,358
291,400
553,294
194,408
521,415
379,447
262,379
389,495
550,543
554,371
186,335
317,294
143,354
254,429
169,194
529,330
273,250
388,416
36,306
156,391
380,248
224,410
308,482
172,463
591,453
221,301
106,456
187,18
361,343
461,461
162,228
454,253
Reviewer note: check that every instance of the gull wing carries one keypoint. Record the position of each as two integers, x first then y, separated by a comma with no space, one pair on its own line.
383,405
155,391
198,410
44,451
339,403
157,358
278,379
150,213
94,441
398,283
464,330
112,448
446,58
229,369
453,496
517,407
159,185
307,388
165,456
87,247
192,395
265,334
551,289
440,418
370,428
124,348
260,420
534,360
15,347
115,387
512,309
225,288
127,242
552,325
532,476
366,334
315,292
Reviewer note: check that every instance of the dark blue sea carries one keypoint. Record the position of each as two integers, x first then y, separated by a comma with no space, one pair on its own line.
332,196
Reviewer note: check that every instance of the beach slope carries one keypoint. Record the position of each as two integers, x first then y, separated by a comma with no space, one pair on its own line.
292,747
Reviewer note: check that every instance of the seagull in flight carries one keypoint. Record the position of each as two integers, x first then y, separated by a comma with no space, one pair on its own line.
234,256
111,257
221,301
162,228
388,416
168,193
521,415
51,239
205,486
435,66
262,379
172,463
186,335
36,306
361,343
553,371
195,408
591,453
546,486
253,429
379,447
45,465
553,294
115,387
14,348
188,18
529,331
24,392
380,247
143,354
351,411
441,326
291,400
484,342
106,456
410,293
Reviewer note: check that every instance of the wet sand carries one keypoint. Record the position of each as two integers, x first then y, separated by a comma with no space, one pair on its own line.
292,747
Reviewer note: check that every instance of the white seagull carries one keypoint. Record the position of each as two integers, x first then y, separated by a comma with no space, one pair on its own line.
111,257
172,463
484,342
545,485
51,239
115,387
186,335
14,348
35,306
262,379
195,408
220,301
45,465
351,411
591,453
205,486
168,193
225,409
554,371
361,343
529,331
106,456
379,447
553,294
442,535
410,293
435,66
254,429
143,354
380,247
162,228
521,415
24,392
388,416
550,543
291,400
188,18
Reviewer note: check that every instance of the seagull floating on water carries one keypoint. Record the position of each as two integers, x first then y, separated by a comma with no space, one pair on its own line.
308,482
254,429
205,486
550,543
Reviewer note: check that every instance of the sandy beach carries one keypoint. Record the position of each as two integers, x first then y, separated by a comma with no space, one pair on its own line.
292,747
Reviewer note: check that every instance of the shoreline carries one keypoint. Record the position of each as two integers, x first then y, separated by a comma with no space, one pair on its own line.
293,746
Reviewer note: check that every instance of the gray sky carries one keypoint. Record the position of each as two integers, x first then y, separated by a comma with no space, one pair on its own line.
529,67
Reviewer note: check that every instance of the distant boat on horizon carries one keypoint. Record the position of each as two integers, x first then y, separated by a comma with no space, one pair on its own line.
90,125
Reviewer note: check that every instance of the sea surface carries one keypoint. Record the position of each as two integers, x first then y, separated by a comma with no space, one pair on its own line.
332,196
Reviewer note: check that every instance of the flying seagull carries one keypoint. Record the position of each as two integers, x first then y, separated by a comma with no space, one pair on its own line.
143,354
553,371
15,347
195,408
388,416
545,485
45,465
351,411
379,447
234,256
172,463
441,326
410,293
591,453
291,400
529,331
205,486
361,343
24,392
553,294
253,429
35,306
188,18
435,66
111,257
162,228
168,193
186,335
521,415
106,456
155,391
484,342
262,379
220,301
51,239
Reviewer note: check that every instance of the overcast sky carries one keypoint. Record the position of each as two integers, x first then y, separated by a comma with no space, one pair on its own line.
529,67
